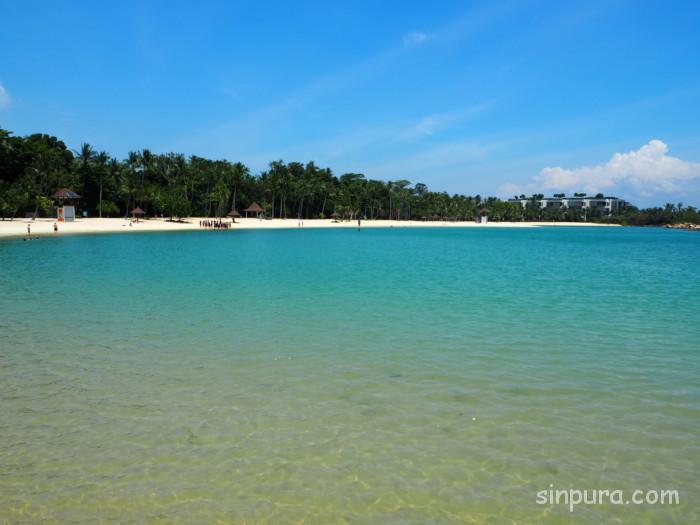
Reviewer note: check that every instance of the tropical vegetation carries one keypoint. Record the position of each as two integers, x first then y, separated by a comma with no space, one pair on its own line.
172,185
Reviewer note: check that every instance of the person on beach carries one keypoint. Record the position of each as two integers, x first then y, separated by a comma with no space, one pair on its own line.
29,231
55,227
359,223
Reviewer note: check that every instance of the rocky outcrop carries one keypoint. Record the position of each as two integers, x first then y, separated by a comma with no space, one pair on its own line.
684,226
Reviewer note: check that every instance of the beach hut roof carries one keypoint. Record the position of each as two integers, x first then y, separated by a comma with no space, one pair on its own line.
65,193
233,213
335,214
137,211
255,207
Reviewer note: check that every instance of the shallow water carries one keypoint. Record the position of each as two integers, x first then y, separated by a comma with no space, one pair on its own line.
382,376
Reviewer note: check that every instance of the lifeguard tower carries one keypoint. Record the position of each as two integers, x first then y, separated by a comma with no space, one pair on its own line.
484,216
65,212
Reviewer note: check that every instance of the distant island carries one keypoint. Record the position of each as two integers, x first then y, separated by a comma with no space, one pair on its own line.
34,167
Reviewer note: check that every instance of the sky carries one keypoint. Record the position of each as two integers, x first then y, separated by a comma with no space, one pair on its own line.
490,98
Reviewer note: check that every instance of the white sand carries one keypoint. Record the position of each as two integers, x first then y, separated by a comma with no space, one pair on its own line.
44,227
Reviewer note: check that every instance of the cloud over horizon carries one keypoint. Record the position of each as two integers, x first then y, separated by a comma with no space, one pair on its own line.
5,98
647,171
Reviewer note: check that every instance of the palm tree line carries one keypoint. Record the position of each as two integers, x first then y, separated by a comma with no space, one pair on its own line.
173,185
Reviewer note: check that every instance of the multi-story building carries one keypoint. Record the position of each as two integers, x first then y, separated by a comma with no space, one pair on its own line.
607,205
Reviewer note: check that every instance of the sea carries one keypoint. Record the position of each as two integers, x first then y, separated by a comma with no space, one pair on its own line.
389,375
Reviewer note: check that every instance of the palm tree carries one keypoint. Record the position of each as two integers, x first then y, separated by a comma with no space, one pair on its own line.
238,172
399,188
85,154
147,159
84,157
325,185
279,180
130,180
114,167
101,160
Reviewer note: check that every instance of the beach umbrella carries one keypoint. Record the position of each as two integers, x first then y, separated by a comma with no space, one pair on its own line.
233,213
136,212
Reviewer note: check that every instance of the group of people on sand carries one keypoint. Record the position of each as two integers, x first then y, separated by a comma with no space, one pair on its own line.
29,231
214,224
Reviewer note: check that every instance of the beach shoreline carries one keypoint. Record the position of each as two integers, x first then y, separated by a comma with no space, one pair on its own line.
43,227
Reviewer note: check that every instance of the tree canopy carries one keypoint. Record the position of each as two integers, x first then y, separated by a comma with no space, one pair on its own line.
33,167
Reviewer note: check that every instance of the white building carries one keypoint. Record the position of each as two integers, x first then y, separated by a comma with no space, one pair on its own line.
607,205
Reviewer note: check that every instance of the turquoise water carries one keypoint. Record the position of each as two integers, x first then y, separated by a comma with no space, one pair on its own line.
314,376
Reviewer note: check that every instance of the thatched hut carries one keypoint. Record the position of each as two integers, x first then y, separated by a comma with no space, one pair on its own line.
137,212
253,208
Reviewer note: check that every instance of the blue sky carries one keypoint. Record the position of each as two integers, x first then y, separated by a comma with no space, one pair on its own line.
490,98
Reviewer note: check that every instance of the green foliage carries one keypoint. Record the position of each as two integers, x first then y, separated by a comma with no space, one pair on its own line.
13,197
176,204
32,168
44,205
110,209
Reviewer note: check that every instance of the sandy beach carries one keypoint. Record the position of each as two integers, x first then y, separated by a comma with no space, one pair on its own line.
44,227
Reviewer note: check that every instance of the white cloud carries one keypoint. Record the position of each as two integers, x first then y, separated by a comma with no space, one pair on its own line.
647,171
4,97
432,124
387,140
415,38
424,127
449,159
